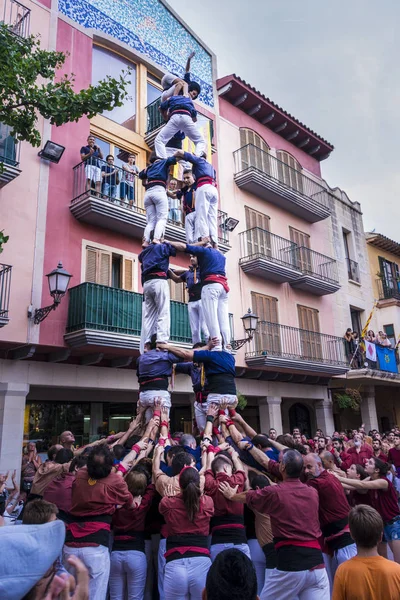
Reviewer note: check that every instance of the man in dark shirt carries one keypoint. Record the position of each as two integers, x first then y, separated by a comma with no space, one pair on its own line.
154,261
187,194
109,173
90,155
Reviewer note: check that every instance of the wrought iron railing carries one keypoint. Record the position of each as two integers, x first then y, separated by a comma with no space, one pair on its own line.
259,243
353,271
250,158
17,17
112,187
388,287
154,116
316,264
5,287
273,339
9,148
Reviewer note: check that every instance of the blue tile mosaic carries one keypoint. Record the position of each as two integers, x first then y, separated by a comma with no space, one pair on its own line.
148,27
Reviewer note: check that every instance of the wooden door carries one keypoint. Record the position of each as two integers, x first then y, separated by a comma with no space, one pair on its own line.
267,337
303,253
289,171
258,236
310,340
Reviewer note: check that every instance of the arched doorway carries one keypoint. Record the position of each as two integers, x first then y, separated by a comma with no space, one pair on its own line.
299,416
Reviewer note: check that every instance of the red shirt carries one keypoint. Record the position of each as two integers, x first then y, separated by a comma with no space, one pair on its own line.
394,457
174,511
333,505
126,519
59,491
222,505
359,458
101,498
383,457
385,502
293,508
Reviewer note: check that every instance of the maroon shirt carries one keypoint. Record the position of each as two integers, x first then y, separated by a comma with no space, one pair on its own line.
385,502
174,511
383,457
359,458
394,457
101,498
126,519
59,491
222,505
333,505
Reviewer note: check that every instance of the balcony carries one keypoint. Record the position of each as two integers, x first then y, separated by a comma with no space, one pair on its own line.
290,349
263,175
99,315
155,121
353,272
104,208
319,274
17,17
268,256
388,289
9,156
5,287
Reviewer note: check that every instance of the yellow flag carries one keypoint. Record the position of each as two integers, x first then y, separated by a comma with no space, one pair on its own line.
365,330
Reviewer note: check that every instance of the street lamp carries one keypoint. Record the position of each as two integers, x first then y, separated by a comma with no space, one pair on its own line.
58,284
250,321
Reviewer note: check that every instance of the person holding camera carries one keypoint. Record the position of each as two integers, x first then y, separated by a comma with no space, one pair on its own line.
91,156
31,461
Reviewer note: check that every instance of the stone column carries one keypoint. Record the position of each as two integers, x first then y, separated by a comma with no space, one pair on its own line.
324,416
270,413
368,409
96,418
12,411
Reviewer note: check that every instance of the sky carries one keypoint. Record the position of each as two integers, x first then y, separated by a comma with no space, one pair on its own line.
335,66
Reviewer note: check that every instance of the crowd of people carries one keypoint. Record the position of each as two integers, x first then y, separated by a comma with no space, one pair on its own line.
228,513
355,347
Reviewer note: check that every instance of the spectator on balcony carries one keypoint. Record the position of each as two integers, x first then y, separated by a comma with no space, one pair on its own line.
174,205
370,337
349,345
358,354
110,177
383,340
91,156
127,186
187,195
155,198
172,84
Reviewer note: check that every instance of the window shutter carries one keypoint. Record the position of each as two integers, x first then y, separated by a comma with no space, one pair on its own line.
310,341
303,242
104,271
267,336
91,263
127,273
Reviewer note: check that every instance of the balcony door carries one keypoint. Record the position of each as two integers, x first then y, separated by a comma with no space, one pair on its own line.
390,277
303,254
289,171
254,151
310,339
267,337
258,235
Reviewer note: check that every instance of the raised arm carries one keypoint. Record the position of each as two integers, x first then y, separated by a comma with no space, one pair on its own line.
375,484
176,278
257,454
189,60
237,418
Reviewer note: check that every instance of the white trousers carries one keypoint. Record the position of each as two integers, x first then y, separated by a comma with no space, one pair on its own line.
207,212
200,414
162,548
304,585
214,300
128,575
215,549
179,123
197,323
97,561
156,206
147,398
155,311
258,560
190,227
185,578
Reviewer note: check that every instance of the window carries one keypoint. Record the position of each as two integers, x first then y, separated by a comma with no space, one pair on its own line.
105,62
389,330
254,151
289,171
303,241
390,276
153,93
109,268
258,237
267,336
355,316
310,340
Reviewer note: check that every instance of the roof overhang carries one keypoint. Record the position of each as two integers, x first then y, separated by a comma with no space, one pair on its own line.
239,93
383,243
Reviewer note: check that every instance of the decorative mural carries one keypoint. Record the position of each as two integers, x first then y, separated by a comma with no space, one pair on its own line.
148,27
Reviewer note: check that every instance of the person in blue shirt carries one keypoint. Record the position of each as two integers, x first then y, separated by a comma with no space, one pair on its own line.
187,196
91,156
110,177
153,369
182,117
155,199
219,367
192,278
154,261
172,84
206,227
200,388
214,291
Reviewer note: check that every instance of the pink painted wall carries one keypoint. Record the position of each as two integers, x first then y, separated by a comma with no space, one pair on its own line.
64,233
241,119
